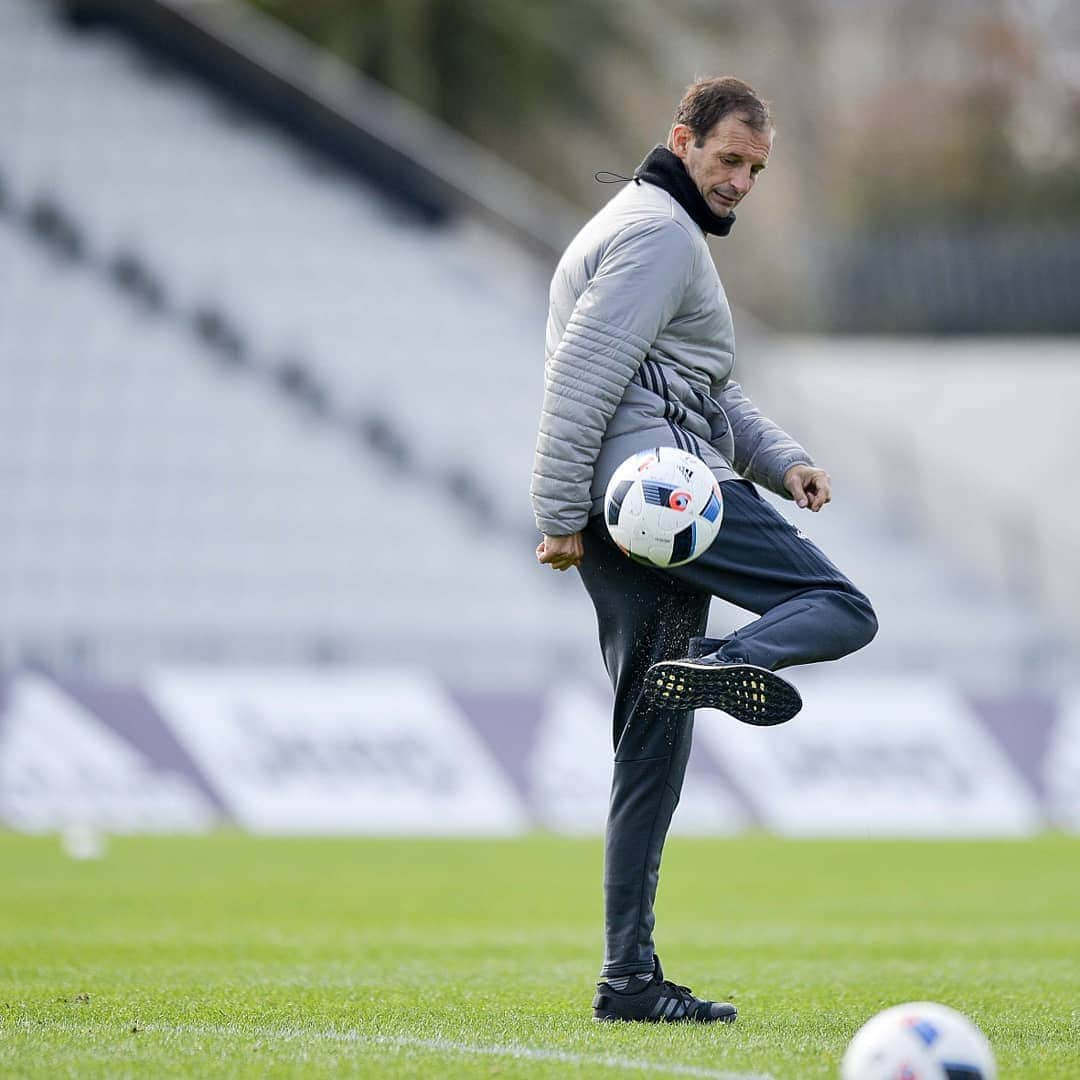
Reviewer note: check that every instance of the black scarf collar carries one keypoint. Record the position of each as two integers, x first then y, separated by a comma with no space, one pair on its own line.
664,169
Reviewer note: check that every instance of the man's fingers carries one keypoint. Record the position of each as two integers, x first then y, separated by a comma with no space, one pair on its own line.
809,487
822,493
546,557
561,552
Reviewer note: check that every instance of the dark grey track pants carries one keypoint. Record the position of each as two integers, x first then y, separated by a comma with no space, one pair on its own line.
809,611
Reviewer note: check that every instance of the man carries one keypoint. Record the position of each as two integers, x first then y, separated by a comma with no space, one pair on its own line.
640,351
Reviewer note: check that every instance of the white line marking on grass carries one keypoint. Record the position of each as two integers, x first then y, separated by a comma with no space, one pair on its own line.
535,1053
449,1046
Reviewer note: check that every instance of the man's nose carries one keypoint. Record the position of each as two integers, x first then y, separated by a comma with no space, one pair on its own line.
742,180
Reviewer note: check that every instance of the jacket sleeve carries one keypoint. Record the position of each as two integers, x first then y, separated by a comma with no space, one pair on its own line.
636,290
763,451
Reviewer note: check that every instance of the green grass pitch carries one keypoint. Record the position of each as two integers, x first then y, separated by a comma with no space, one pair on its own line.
229,955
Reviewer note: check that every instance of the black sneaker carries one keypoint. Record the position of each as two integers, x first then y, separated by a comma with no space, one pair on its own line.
702,680
658,1002
703,646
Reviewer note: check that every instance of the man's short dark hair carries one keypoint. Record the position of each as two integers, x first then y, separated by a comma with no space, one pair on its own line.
707,101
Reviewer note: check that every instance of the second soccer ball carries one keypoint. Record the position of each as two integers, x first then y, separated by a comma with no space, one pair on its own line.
921,1040
663,506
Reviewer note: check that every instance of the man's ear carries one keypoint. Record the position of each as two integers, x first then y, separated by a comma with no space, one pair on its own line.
679,139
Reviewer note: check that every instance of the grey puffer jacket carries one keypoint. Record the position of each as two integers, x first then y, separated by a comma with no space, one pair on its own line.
640,349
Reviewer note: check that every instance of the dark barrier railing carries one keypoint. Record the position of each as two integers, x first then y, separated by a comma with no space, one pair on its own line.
994,278
357,122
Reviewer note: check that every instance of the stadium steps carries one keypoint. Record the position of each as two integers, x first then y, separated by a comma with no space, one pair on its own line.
184,509
158,509
304,256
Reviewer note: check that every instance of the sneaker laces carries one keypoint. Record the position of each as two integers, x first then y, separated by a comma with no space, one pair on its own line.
683,993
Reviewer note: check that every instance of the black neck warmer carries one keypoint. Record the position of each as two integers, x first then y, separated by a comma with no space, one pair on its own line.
664,169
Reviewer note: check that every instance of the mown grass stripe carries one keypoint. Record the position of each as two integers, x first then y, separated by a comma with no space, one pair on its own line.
451,1046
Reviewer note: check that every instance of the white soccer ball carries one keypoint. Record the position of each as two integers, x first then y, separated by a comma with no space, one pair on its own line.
663,506
919,1041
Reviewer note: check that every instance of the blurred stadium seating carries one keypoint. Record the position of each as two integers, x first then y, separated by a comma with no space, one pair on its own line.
247,415
259,411
964,442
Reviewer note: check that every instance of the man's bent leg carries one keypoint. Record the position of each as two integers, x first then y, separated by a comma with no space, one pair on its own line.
643,617
809,611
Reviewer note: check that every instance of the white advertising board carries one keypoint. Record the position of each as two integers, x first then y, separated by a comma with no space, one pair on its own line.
368,751
901,757
570,773
61,766
1061,766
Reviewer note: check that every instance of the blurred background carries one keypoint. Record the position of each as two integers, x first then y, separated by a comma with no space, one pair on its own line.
272,294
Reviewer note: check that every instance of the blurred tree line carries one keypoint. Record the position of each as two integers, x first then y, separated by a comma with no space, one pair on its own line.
910,133
506,72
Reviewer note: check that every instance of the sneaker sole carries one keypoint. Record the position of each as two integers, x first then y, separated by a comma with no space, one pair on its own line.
753,695
612,1018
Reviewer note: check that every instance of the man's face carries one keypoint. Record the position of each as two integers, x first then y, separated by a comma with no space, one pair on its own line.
726,165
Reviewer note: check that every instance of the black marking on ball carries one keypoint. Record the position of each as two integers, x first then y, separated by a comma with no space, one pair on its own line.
682,546
617,496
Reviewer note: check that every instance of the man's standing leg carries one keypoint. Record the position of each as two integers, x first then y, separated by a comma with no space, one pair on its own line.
643,617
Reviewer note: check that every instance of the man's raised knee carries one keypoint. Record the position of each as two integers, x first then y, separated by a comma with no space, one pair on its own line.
864,622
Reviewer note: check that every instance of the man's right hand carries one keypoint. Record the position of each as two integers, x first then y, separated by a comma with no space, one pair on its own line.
561,552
